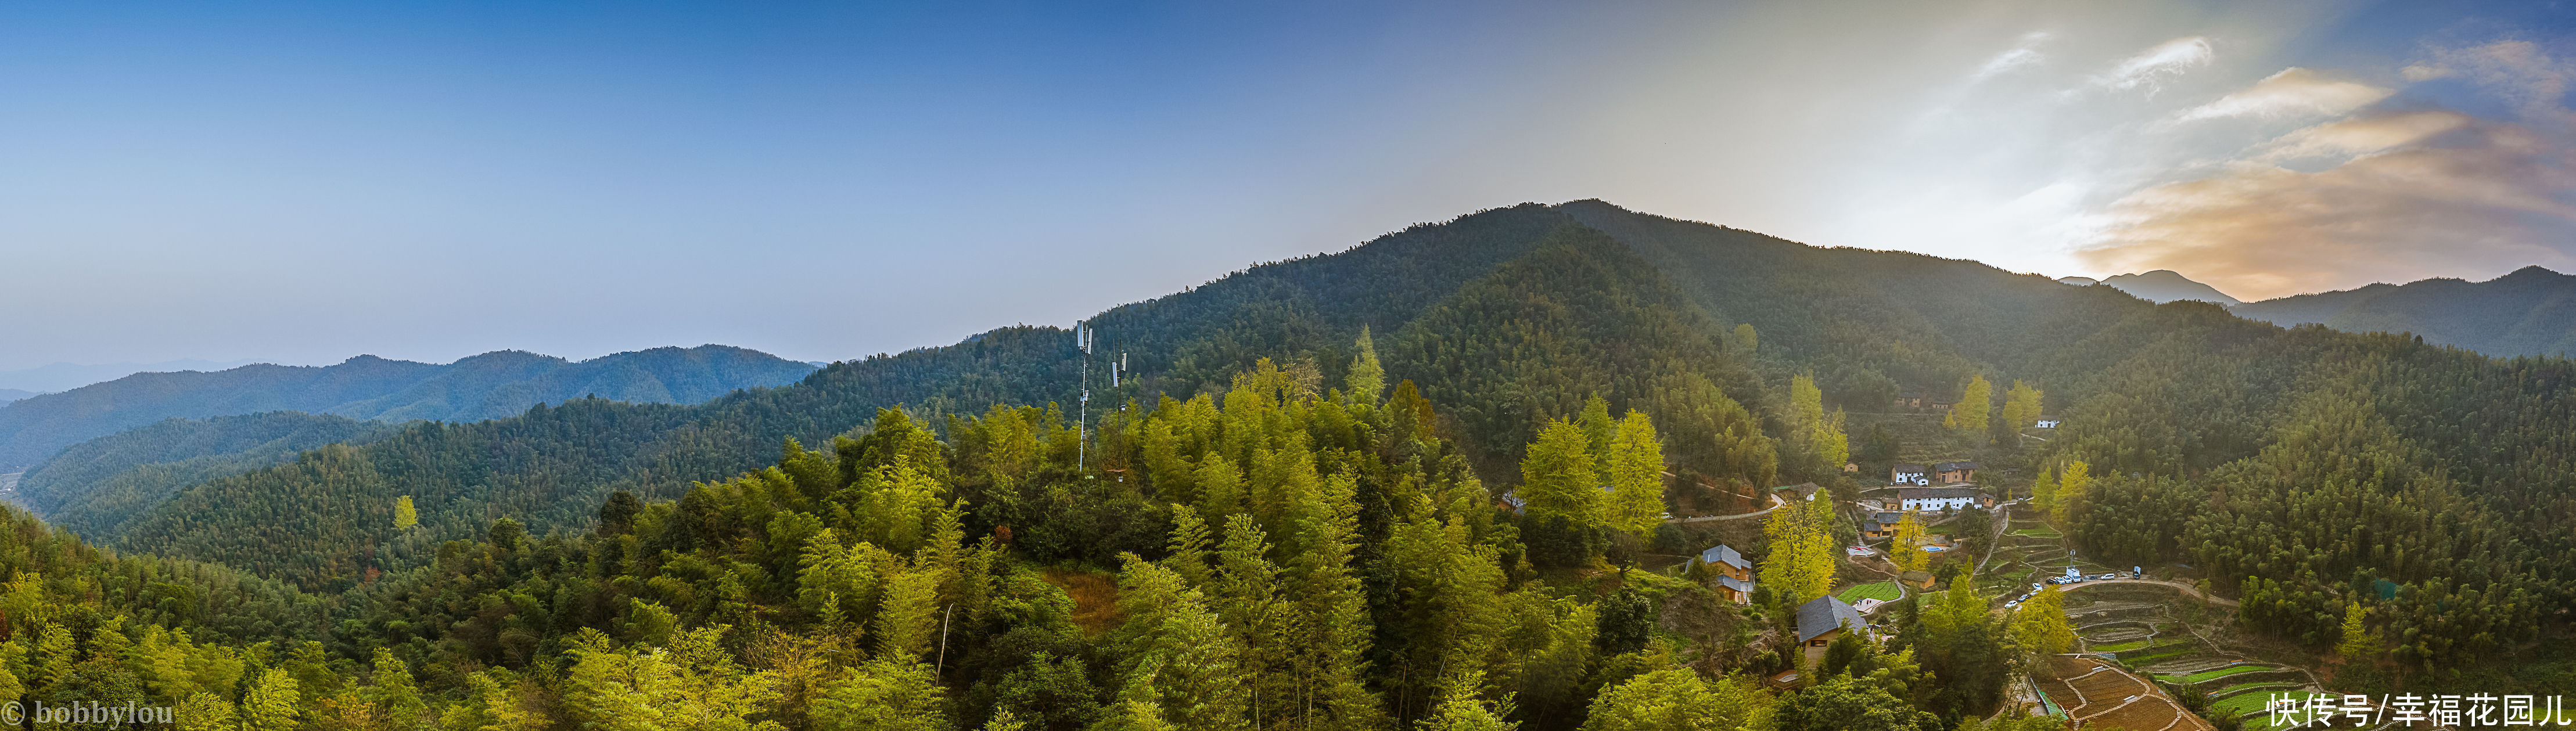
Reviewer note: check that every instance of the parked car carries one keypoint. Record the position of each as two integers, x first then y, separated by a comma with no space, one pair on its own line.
2107,577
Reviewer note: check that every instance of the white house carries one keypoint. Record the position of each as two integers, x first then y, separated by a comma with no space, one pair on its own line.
1940,499
1908,474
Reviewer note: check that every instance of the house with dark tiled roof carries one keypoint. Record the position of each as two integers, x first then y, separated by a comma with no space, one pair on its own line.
1881,524
1824,619
1952,473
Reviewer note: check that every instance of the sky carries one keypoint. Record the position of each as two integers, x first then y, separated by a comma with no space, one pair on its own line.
304,182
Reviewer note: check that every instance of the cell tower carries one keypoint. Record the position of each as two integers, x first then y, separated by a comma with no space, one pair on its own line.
1082,413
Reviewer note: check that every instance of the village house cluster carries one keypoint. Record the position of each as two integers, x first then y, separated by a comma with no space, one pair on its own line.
1939,488
1934,488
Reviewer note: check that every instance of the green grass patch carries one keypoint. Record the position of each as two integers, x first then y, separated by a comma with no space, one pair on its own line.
1885,591
2153,659
2219,673
2240,705
2041,532
2273,685
2124,646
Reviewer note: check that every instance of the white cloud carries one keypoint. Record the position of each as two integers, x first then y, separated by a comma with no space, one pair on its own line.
2294,91
2354,137
2491,199
2151,67
2023,54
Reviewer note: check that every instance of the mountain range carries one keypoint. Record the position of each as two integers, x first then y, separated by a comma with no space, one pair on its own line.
487,386
1505,318
2531,311
54,377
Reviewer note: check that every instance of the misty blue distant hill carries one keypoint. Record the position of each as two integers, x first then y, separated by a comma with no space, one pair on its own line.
491,385
2531,311
67,376
10,394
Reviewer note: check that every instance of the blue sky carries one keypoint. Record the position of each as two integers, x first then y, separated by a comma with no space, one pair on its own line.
302,182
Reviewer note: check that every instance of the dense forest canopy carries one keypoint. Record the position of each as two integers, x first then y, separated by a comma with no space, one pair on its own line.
1411,483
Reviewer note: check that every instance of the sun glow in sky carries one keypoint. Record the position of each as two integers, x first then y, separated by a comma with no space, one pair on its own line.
307,181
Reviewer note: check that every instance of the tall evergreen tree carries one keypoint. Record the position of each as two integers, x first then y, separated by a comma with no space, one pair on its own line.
1367,379
2021,406
2070,492
1558,477
1635,468
1969,416
1801,565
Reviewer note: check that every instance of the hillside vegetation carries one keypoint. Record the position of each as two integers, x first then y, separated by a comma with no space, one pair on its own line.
94,486
2529,312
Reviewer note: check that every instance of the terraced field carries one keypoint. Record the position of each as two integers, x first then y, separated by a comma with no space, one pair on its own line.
2098,694
2216,674
1885,591
2129,633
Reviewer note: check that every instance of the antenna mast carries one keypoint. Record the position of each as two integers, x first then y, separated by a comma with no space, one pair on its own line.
1082,413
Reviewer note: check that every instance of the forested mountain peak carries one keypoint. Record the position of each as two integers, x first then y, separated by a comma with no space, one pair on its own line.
2166,285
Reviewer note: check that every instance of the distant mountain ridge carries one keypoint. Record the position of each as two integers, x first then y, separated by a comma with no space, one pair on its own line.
53,377
2159,286
10,394
2531,311
491,385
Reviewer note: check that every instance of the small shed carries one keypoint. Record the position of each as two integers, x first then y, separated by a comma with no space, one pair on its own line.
1801,491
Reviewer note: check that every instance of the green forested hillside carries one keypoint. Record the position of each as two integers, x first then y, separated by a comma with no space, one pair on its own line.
486,386
2531,311
1275,558
94,486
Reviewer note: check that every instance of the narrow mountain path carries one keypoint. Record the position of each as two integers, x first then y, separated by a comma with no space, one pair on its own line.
1775,505
2187,589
